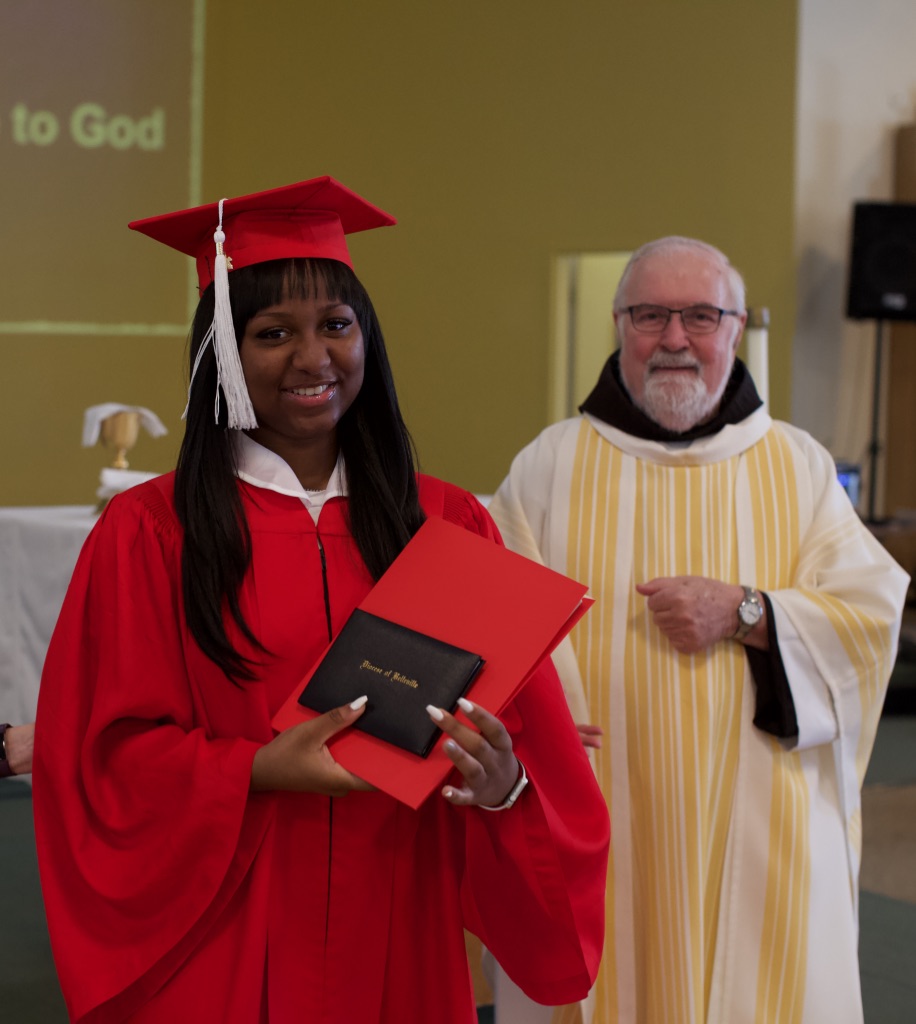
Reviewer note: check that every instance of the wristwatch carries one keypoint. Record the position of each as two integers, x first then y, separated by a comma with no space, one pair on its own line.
750,612
5,768
514,793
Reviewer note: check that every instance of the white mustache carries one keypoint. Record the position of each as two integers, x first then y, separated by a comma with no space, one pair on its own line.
672,362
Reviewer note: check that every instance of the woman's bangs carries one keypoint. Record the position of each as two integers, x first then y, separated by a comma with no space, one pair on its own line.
267,284
306,279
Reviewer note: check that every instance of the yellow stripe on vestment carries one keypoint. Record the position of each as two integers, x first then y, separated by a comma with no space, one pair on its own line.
784,944
590,557
682,732
869,646
774,505
682,714
782,966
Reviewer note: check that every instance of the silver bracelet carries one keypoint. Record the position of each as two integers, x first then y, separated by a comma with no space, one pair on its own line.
514,793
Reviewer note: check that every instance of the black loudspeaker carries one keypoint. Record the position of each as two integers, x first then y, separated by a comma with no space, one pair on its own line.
882,267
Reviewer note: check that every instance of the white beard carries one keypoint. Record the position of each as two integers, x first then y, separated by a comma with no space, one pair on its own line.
679,402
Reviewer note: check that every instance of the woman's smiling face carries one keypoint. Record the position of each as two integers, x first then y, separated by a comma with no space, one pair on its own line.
304,360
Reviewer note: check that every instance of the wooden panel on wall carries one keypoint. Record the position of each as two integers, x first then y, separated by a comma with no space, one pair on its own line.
900,474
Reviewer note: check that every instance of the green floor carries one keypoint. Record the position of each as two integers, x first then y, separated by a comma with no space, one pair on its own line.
887,959
29,993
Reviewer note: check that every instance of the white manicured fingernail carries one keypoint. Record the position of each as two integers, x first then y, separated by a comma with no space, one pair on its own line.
436,714
358,703
465,705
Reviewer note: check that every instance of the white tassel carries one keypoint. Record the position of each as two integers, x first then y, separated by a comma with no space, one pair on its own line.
229,375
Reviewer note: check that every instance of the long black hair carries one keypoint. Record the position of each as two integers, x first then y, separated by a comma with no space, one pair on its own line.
380,459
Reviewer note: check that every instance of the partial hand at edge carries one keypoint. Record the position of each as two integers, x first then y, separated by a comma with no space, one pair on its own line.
590,735
19,742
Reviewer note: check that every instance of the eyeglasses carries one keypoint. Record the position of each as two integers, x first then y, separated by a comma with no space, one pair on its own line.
696,319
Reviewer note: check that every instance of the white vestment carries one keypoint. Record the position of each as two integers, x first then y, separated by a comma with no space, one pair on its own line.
732,892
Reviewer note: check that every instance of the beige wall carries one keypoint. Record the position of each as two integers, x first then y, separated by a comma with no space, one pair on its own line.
501,134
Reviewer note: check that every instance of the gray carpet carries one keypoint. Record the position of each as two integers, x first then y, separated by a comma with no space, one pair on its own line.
887,917
887,958
893,761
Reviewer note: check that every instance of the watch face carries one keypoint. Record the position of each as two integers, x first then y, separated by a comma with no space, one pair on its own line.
749,613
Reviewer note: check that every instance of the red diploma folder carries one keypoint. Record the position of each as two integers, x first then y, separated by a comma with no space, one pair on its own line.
465,590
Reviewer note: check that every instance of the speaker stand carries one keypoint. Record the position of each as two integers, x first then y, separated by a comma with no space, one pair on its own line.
874,447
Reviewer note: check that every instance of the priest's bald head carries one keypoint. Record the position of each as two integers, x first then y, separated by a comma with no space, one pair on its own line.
679,313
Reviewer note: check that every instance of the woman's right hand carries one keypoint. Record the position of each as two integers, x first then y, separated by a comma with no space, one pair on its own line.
298,759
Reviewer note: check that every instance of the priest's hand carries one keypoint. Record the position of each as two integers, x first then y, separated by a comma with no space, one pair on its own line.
590,735
695,612
484,758
298,760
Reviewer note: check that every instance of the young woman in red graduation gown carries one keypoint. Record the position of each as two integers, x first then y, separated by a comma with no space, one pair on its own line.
196,867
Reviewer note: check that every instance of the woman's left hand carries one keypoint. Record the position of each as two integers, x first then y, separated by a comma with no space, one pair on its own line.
484,758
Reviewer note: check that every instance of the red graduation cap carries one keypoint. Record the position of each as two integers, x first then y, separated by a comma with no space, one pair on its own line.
309,218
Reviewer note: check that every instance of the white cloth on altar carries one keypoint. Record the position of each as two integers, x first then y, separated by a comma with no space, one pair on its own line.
38,550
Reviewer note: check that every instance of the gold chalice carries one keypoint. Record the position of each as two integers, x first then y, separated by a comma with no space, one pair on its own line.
120,431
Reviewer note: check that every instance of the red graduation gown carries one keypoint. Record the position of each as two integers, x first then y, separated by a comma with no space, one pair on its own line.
174,894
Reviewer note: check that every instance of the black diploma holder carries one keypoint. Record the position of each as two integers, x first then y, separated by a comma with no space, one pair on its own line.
400,670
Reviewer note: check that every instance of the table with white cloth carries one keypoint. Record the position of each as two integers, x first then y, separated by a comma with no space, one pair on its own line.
38,550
